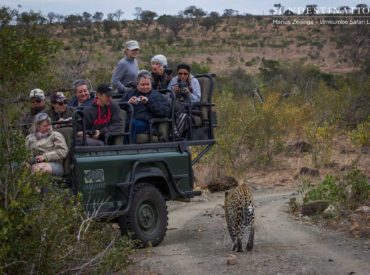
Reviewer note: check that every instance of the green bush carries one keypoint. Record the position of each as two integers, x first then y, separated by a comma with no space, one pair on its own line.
349,191
361,135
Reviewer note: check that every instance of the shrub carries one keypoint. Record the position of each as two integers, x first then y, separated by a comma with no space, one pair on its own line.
326,190
361,135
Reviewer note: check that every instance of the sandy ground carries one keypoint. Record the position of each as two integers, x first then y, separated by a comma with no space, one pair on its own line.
197,242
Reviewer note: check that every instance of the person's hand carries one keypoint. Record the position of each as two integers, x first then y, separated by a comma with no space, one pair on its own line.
175,88
133,100
160,70
186,91
97,134
143,99
39,158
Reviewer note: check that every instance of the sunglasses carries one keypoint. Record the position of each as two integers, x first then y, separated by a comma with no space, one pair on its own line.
60,103
134,50
183,73
36,101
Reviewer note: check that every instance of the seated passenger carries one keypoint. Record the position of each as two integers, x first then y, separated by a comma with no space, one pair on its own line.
102,117
49,147
147,104
161,73
185,85
82,97
37,98
187,90
60,111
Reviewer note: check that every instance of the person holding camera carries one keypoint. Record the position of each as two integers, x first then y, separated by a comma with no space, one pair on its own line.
60,111
185,85
49,147
102,117
161,73
124,75
187,90
147,104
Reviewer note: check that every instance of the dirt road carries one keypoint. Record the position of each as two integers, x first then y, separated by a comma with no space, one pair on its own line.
197,242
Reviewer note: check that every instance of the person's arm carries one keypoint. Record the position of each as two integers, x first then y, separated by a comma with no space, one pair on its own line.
115,124
118,73
60,148
195,96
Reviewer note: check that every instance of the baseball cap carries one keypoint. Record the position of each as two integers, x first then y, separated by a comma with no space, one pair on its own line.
58,97
38,93
104,89
132,45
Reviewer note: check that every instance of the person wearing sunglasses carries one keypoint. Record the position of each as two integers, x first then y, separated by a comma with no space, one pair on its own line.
82,97
185,85
60,111
124,75
48,147
38,104
187,90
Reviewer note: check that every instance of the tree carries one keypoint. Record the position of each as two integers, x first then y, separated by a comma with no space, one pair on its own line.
137,12
86,16
148,17
279,9
51,16
344,9
229,12
211,21
174,23
118,14
98,16
59,17
361,9
193,11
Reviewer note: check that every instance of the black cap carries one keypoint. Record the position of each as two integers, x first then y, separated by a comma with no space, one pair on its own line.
104,89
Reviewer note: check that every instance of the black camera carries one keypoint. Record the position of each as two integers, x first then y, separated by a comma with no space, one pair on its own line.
183,86
90,133
167,70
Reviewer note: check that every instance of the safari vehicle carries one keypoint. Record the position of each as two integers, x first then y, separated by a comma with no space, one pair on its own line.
130,183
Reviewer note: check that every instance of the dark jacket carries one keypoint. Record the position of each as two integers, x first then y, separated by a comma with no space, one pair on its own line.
54,116
105,119
160,82
73,102
27,119
157,105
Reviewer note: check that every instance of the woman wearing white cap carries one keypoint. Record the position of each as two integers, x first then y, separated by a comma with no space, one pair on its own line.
161,73
124,75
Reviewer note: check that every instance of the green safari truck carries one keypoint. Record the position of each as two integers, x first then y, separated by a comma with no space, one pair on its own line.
130,183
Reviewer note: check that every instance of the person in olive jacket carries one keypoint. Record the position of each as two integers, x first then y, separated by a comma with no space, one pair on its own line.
147,103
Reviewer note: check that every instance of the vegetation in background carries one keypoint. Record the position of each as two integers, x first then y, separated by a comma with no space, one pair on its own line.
43,228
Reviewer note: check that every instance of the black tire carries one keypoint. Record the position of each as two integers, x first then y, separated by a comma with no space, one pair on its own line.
147,218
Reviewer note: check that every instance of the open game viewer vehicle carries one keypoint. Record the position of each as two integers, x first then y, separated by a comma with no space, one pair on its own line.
130,183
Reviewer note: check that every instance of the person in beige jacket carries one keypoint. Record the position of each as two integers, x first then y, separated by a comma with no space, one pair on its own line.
48,147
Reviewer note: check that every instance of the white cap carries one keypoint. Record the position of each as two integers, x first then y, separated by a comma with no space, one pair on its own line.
132,45
160,58
37,93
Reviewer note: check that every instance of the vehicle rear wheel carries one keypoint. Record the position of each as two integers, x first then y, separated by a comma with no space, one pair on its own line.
147,217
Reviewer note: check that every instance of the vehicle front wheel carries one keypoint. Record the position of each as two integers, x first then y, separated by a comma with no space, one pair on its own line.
147,217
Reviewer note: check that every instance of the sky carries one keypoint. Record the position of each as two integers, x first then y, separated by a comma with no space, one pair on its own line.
170,7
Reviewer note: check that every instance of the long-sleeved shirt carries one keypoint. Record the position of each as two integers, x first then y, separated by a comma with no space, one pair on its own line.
195,94
53,146
157,105
105,119
124,74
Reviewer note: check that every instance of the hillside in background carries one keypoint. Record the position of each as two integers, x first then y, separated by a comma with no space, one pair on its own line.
233,43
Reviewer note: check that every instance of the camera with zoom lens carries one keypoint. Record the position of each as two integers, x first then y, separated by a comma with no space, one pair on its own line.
183,86
90,133
167,70
138,100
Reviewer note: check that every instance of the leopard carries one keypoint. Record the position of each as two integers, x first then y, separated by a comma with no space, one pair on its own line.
239,214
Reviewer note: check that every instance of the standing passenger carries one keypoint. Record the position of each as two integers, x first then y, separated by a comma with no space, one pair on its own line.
125,73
